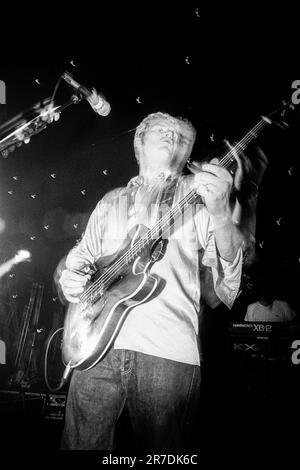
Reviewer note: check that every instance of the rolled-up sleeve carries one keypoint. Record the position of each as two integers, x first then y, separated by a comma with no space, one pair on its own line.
88,249
226,275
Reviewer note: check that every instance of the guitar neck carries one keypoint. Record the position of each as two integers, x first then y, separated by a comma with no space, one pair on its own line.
166,222
227,161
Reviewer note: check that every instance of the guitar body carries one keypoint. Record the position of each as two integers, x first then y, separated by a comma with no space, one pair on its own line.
91,326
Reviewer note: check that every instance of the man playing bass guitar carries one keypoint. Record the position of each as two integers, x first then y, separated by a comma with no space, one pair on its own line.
151,364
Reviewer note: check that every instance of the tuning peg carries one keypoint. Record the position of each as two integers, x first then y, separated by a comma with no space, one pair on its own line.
281,124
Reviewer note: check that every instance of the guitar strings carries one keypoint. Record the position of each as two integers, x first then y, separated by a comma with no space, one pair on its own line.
136,247
133,251
107,276
227,158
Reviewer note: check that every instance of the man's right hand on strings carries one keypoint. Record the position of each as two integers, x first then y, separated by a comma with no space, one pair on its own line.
73,284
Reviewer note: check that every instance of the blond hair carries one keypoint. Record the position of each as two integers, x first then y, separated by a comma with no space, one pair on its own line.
183,127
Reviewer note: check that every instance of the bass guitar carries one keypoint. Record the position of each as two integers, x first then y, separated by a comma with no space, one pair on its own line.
124,280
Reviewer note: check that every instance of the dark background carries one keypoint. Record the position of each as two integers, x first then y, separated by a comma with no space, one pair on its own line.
219,70
181,60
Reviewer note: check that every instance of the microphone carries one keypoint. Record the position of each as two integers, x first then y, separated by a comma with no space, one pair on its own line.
97,101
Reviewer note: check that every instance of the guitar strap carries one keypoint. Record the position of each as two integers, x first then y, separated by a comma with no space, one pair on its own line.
208,294
166,199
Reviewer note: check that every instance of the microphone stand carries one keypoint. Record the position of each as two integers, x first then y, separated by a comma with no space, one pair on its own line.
24,129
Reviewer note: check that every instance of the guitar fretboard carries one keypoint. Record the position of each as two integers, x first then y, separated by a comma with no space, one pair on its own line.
166,222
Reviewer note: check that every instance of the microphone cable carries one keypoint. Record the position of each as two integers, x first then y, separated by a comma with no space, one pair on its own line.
66,373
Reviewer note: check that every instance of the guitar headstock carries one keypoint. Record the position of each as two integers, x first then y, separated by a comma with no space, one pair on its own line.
287,112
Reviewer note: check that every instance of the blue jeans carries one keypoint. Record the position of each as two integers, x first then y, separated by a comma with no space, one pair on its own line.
161,397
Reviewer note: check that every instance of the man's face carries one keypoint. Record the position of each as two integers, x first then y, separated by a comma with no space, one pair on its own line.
160,141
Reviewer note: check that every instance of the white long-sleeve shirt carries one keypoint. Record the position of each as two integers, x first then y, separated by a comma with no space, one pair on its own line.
167,325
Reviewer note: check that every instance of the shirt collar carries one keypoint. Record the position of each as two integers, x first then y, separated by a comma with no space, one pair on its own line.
160,178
